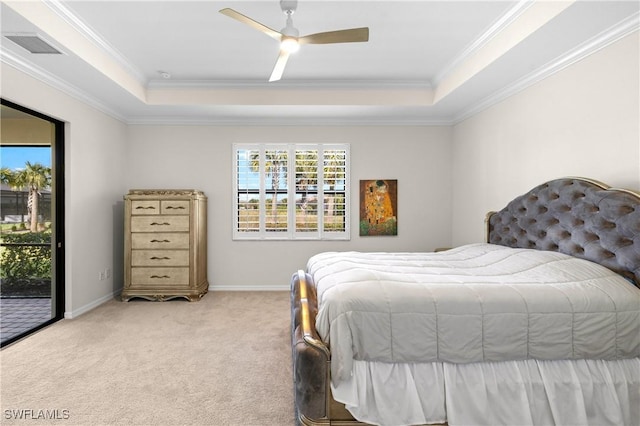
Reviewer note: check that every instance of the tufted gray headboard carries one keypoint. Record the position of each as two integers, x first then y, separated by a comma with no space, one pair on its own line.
580,217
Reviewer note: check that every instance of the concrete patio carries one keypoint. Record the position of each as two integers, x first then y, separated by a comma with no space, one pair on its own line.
18,315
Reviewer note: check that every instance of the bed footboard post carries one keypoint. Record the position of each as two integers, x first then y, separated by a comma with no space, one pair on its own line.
310,355
487,226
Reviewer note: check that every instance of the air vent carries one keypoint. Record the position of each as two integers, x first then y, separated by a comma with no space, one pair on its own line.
33,43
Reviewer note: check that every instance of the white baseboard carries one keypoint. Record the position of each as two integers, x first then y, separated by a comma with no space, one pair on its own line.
86,308
249,288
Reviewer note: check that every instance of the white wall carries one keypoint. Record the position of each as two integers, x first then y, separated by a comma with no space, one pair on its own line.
582,121
200,157
95,147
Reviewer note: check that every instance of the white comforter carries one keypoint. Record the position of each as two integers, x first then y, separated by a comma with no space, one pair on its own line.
478,302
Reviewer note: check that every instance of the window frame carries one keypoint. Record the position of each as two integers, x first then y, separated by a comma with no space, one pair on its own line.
291,233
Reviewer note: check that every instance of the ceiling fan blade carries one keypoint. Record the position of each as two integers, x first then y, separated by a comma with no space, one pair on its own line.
341,36
276,74
255,24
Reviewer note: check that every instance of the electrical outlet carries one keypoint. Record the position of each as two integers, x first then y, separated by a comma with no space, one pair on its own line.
101,275
107,273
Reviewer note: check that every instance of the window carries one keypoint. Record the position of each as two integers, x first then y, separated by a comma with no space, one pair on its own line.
293,191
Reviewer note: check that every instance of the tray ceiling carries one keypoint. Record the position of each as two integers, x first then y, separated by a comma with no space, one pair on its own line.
426,62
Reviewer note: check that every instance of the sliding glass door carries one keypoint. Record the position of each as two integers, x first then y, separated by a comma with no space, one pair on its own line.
31,221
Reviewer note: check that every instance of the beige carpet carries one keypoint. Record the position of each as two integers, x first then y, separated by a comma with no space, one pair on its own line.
225,360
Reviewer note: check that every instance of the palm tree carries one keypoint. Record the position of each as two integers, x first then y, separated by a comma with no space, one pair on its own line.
306,178
306,169
34,177
275,162
334,172
6,175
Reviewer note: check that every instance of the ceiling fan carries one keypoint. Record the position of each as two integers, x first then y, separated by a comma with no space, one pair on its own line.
289,38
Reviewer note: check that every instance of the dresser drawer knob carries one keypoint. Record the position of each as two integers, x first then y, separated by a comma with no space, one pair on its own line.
145,208
177,208
160,276
160,224
159,258
160,241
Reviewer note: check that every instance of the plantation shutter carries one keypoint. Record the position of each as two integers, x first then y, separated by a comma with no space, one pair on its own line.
294,191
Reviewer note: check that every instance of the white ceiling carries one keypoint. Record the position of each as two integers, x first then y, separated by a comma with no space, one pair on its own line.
426,62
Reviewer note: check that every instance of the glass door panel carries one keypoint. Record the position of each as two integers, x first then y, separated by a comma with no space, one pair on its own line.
29,285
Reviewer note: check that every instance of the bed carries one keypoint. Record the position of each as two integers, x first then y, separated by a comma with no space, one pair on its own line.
540,324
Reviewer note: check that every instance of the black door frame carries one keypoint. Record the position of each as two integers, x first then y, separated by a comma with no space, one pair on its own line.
57,243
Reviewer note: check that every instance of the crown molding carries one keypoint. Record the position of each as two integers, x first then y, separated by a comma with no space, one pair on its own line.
296,84
291,122
503,22
602,40
46,77
87,32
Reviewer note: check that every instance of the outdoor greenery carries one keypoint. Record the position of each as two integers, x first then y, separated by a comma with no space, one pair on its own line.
26,261
306,165
250,218
34,177
25,254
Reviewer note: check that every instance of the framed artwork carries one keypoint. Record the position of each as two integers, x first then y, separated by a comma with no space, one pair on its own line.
378,207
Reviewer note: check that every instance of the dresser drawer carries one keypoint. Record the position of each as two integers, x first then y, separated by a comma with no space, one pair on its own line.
160,258
159,223
159,276
145,207
174,207
159,240
165,244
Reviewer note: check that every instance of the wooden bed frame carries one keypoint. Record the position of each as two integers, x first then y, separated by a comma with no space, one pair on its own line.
576,216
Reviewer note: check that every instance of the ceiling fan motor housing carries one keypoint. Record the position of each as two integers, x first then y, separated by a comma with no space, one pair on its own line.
289,6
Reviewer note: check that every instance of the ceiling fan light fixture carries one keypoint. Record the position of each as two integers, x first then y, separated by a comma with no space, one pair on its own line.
289,44
290,39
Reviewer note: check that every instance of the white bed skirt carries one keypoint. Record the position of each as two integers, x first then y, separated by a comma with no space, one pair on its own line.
528,392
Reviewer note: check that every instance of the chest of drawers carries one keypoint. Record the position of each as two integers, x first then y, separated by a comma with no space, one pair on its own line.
165,239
